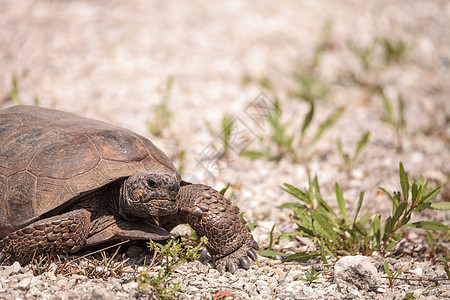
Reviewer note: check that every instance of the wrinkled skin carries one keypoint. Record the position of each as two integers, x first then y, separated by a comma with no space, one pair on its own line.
143,206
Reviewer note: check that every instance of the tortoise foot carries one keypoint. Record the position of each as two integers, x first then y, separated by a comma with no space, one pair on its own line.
239,258
230,242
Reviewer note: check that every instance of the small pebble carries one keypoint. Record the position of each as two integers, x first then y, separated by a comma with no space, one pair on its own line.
24,284
418,271
13,269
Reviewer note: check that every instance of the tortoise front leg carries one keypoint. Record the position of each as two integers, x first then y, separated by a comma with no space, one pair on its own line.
53,235
230,242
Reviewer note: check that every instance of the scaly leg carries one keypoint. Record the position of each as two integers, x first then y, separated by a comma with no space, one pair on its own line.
230,242
53,235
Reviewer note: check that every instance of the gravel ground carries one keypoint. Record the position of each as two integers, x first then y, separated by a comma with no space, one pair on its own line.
110,60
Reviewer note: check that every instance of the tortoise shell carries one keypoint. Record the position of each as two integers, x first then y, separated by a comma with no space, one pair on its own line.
50,157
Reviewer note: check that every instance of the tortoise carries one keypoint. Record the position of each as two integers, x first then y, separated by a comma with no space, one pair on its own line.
69,183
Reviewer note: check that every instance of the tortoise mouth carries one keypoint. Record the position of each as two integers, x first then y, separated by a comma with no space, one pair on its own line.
159,199
161,208
164,202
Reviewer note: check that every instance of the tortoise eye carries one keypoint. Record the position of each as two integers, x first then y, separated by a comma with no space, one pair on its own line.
151,183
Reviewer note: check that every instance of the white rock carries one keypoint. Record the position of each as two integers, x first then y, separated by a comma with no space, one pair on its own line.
36,281
13,269
263,287
295,275
418,293
356,293
141,268
222,279
418,271
250,288
131,286
213,273
102,293
24,284
53,267
356,272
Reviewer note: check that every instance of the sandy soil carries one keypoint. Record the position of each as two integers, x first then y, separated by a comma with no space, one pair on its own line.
110,60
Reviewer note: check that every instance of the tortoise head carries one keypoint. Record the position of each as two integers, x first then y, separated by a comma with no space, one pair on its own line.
151,194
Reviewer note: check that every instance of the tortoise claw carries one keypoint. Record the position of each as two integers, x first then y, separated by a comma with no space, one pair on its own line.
240,258
221,268
252,254
255,245
245,263
232,267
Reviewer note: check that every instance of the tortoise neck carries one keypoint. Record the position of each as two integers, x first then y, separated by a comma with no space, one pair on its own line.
115,198
103,201
121,205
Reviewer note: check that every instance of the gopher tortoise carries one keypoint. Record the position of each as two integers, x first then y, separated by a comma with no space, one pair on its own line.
69,183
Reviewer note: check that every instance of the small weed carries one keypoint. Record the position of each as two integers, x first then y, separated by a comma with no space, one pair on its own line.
374,58
398,121
251,225
325,43
40,265
311,86
267,250
169,256
331,119
225,189
14,92
161,115
225,134
437,241
392,277
280,138
284,144
340,235
180,157
348,159
261,80
431,242
393,49
380,52
311,276
232,192
280,143
446,266
92,267
227,130
364,53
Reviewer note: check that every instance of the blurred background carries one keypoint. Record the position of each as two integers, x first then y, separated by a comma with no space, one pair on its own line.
254,94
